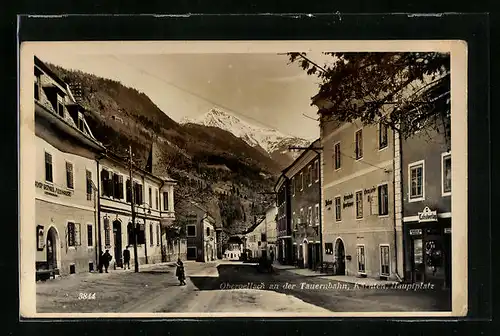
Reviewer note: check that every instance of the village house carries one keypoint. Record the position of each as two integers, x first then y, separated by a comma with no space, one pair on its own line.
271,231
360,200
66,155
304,174
426,172
200,233
283,223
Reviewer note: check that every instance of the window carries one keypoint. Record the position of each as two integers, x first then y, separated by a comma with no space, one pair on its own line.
157,199
359,144
382,136
294,221
416,181
336,156
73,234
360,251
116,186
80,122
446,174
90,238
383,200
384,260
151,236
191,230
309,216
263,237
338,209
60,106
301,218
129,191
329,248
48,168
293,186
158,235
141,233
104,182
316,171
150,197
359,204
37,87
191,252
316,214
301,181
309,175
130,233
88,176
165,201
208,232
138,193
107,235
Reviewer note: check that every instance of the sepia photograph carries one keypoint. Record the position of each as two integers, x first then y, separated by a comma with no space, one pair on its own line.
298,178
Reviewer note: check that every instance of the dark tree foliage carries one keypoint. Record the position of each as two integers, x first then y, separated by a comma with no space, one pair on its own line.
407,91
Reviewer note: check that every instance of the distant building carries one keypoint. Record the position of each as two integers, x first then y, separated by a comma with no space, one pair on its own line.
427,221
283,224
200,233
360,199
271,229
256,240
66,179
305,198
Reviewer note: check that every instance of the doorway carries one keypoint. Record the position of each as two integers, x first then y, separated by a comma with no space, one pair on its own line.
117,238
340,257
51,249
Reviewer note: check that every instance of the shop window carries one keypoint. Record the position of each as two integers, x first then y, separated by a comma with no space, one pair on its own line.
48,168
446,174
191,230
384,260
382,136
360,251
359,144
359,204
73,234
69,175
338,209
416,176
383,200
337,156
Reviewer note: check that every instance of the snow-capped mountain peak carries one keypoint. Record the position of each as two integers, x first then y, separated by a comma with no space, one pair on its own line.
268,139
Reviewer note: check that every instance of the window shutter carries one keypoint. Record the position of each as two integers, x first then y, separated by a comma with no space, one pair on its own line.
374,203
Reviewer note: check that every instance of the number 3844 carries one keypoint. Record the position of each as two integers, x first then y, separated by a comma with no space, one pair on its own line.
86,296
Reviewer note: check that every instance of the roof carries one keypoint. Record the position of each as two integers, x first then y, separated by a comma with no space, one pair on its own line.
304,153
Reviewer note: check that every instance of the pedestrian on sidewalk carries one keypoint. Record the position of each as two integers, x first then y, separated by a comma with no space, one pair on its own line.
100,262
126,258
180,273
106,260
272,256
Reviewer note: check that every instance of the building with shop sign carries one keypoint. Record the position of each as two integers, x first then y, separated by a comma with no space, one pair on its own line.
427,190
66,178
361,203
305,198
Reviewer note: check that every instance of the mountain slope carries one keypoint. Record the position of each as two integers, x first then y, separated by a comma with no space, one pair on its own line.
267,140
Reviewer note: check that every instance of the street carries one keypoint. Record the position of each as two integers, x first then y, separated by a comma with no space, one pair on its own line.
223,287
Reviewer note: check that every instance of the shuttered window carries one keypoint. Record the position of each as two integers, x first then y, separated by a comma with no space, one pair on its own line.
69,175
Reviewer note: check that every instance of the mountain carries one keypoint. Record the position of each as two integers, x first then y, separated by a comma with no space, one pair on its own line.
268,140
213,167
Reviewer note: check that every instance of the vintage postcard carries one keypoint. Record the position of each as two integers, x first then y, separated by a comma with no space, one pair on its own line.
245,178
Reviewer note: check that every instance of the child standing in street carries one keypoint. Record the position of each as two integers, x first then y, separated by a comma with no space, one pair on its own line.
181,275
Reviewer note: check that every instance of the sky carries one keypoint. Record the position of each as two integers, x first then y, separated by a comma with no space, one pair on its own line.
263,89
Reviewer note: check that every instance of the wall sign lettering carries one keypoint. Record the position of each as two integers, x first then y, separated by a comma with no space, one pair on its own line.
328,202
370,190
51,190
427,215
415,232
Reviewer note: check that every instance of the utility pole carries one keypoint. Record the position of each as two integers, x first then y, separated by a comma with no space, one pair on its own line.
134,225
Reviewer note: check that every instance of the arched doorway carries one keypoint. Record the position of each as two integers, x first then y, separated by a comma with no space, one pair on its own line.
340,257
51,248
117,238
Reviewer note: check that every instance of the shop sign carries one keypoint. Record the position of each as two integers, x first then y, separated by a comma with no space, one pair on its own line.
51,190
447,230
328,202
348,200
427,215
415,232
370,190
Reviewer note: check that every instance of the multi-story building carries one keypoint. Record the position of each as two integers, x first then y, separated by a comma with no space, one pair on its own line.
304,174
66,178
426,185
153,199
200,233
360,231
283,223
270,225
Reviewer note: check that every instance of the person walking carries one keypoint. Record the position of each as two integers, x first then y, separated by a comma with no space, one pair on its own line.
180,273
272,256
100,262
106,260
126,258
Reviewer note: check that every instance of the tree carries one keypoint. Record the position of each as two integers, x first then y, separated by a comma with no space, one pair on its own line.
406,91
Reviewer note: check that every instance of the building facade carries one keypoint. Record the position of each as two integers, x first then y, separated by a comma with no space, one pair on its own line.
283,223
271,229
200,234
304,174
426,183
66,178
359,199
153,201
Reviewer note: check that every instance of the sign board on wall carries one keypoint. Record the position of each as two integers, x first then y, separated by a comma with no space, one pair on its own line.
415,232
427,215
51,190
